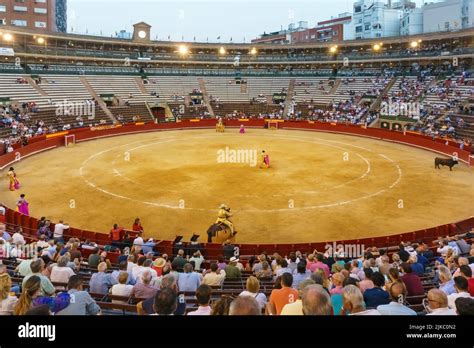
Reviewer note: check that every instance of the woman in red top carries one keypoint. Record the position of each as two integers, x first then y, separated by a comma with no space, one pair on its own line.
137,226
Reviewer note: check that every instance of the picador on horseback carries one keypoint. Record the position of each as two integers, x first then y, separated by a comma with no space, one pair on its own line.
223,229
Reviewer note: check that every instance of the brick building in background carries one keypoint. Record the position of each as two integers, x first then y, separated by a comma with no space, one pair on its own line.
41,15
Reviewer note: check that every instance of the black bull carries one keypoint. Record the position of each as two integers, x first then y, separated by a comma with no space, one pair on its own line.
445,162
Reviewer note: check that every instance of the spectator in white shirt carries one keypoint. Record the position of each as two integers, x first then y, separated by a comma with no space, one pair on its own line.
461,285
59,231
18,238
437,303
443,248
61,273
215,277
198,259
138,242
252,290
121,289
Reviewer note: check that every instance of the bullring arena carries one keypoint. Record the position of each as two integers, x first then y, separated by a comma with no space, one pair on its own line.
319,184
299,173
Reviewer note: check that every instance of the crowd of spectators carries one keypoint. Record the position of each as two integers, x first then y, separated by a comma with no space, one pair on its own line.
377,282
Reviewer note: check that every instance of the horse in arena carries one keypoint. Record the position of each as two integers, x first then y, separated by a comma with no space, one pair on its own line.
219,233
445,162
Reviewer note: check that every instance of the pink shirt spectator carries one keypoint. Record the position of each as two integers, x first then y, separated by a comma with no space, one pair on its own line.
337,290
201,311
365,284
322,266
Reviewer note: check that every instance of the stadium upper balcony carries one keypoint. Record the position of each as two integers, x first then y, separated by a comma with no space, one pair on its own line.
72,48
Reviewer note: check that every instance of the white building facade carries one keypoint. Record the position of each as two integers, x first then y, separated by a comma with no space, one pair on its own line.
375,19
448,15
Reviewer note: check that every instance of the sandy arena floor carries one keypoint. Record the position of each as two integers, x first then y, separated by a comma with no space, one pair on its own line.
320,187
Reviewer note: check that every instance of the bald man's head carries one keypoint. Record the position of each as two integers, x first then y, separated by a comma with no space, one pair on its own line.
244,305
316,301
398,292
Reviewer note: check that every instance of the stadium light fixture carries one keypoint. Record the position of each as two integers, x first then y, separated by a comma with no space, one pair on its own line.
253,51
414,44
41,40
183,50
8,37
222,51
377,47
333,49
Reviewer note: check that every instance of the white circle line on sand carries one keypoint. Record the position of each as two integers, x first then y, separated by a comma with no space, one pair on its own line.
171,139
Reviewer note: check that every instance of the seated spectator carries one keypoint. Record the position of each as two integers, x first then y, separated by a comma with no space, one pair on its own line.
252,290
280,297
446,280
412,281
376,296
168,282
232,271
189,280
319,264
265,272
94,258
398,294
37,269
101,281
466,272
222,305
203,296
316,301
7,300
165,302
61,273
337,281
121,289
437,303
81,303
353,302
461,286
367,283
198,259
214,278
179,261
283,268
296,308
144,289
300,274
257,266
31,298
245,305
416,266
123,266
465,306
221,264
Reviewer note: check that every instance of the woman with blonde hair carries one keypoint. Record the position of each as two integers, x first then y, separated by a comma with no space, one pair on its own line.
252,290
31,290
7,302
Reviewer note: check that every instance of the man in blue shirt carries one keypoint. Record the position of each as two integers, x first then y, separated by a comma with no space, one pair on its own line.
376,296
101,282
123,268
416,266
189,280
81,303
